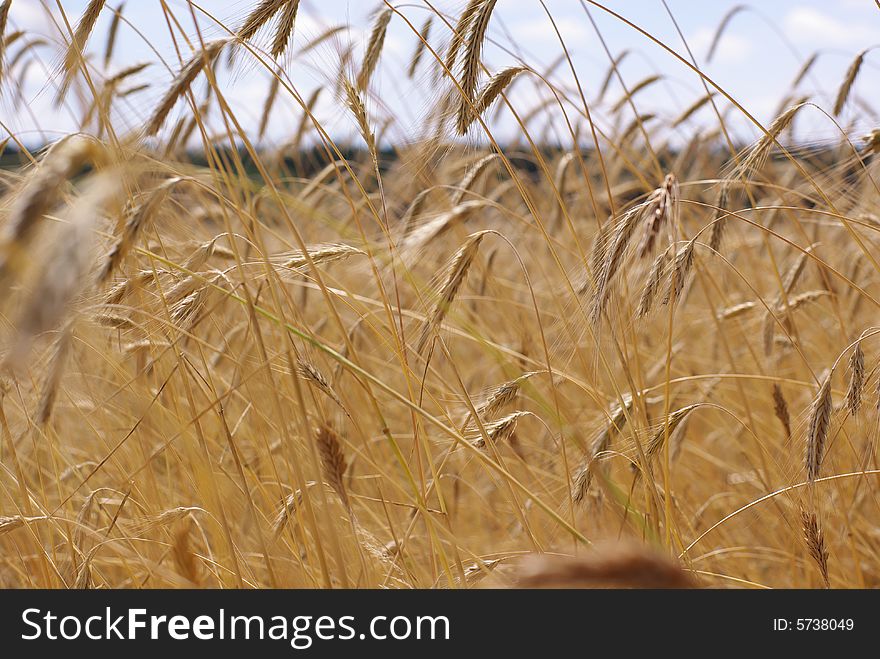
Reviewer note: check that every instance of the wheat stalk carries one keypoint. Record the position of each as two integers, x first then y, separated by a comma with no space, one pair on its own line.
414,210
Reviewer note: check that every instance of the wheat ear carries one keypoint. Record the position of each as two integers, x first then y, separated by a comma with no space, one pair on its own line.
4,20
473,49
848,82
202,59
815,540
374,48
780,409
456,273
284,31
424,35
817,429
333,461
856,379
260,15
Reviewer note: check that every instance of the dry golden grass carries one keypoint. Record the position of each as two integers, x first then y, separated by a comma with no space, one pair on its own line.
424,363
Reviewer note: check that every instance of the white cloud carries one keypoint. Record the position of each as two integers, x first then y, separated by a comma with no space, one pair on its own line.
27,16
811,26
574,32
865,6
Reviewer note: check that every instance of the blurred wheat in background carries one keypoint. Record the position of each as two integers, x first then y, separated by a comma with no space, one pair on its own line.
596,347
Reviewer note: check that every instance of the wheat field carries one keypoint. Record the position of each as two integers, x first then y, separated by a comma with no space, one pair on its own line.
581,354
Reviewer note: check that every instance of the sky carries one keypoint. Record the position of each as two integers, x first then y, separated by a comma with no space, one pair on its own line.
761,52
